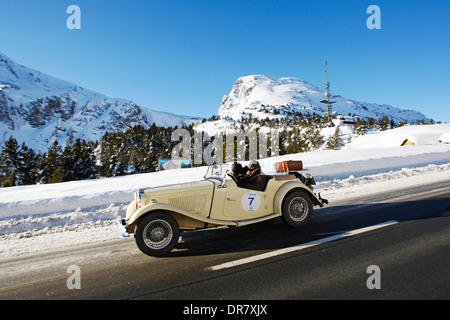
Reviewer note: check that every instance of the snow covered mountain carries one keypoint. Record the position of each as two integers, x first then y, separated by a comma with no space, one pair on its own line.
38,109
264,96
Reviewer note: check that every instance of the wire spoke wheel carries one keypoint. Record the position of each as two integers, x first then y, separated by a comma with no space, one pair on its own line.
297,209
157,233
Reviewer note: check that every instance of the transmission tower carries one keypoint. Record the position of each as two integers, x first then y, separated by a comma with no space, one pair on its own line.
327,102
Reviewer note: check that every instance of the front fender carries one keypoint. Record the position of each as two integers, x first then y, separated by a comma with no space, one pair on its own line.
288,187
179,214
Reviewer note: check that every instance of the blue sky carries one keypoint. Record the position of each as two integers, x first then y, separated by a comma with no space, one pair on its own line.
183,56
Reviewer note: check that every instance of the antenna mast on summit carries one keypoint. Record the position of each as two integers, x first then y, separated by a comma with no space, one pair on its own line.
327,94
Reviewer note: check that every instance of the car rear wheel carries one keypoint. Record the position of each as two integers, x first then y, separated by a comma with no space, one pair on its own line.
297,209
157,234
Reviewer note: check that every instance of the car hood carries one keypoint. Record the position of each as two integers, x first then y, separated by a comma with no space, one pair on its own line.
195,197
204,185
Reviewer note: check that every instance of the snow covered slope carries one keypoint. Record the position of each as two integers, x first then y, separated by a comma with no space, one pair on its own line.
262,95
417,134
38,109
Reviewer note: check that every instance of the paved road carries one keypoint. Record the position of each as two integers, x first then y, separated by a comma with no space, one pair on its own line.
412,255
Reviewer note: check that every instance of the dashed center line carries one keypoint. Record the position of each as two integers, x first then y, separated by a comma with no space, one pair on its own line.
299,247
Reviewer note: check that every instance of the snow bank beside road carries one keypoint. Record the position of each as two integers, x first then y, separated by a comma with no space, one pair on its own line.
325,164
339,189
48,198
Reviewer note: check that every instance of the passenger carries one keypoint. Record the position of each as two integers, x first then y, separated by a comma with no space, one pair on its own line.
254,169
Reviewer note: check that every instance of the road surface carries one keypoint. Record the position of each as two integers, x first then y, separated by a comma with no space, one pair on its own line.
405,256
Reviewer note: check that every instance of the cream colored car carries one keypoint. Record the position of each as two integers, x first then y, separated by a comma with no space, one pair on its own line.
157,215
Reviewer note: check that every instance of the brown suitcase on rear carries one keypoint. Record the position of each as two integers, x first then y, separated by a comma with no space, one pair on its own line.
287,166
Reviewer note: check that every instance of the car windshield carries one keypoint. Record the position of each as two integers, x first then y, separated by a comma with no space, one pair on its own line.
217,171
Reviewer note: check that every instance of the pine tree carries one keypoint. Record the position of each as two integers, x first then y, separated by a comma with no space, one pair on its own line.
67,164
86,164
371,123
28,168
296,142
50,163
79,162
383,124
18,165
314,137
360,127
58,175
335,141
9,163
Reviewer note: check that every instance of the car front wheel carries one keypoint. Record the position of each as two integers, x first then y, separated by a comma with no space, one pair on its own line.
297,209
157,234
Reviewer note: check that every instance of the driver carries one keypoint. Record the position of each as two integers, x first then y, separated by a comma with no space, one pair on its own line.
237,171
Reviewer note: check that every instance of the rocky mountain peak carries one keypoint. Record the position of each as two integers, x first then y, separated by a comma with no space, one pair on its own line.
264,96
38,109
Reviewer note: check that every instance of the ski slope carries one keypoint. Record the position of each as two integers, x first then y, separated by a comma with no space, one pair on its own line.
40,218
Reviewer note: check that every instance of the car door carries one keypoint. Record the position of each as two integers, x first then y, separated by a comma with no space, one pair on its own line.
243,203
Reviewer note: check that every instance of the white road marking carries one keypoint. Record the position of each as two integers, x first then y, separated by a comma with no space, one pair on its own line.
299,247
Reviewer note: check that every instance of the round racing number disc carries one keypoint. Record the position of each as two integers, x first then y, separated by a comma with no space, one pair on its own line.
251,201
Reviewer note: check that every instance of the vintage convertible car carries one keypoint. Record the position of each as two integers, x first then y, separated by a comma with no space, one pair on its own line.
157,215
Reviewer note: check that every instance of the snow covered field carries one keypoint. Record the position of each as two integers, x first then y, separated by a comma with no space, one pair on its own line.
40,218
